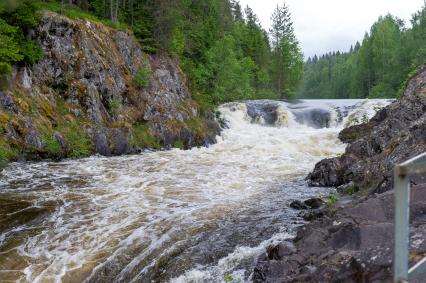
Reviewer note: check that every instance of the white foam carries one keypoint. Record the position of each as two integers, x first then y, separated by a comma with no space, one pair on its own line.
133,208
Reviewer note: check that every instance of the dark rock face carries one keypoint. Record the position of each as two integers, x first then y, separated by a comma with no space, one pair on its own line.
353,241
394,134
355,245
87,78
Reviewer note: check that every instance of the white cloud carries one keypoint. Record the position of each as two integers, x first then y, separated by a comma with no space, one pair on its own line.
331,25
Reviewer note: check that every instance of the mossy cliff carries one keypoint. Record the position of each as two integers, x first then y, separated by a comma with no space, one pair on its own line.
95,91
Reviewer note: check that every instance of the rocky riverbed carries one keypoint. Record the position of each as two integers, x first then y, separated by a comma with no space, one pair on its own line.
351,239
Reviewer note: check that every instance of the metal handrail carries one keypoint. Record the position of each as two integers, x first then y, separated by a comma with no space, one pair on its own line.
402,173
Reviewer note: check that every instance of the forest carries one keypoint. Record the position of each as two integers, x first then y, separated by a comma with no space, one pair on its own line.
378,67
221,46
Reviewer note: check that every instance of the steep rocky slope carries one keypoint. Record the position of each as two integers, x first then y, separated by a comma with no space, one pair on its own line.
352,240
95,91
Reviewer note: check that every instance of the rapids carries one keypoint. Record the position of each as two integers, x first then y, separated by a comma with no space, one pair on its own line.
171,216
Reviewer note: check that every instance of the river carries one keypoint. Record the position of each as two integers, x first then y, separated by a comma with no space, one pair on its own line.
171,216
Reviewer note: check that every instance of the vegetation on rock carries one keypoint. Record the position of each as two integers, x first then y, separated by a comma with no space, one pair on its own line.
17,18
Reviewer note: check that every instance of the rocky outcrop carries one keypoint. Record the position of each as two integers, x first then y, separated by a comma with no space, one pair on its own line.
354,245
95,91
393,135
351,240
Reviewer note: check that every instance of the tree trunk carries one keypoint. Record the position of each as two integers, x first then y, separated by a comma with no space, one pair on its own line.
117,6
111,7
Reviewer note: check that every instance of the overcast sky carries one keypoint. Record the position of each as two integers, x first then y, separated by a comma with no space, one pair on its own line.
331,25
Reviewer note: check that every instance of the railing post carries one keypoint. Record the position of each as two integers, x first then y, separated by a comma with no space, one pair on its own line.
402,192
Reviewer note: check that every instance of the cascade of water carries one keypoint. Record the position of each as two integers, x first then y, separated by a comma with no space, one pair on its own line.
189,215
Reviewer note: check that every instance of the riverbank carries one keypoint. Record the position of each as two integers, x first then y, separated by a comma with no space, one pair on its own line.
353,239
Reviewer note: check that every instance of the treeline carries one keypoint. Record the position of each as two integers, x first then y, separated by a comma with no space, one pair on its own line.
378,67
221,47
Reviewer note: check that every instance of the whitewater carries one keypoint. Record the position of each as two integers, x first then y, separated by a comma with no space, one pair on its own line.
172,216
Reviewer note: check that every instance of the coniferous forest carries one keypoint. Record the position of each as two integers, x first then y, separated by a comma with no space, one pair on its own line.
378,67
227,54
220,45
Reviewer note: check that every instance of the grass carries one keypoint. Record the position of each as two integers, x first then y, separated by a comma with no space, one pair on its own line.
78,143
331,203
52,146
7,153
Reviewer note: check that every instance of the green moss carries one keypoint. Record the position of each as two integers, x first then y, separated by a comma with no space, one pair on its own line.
142,138
142,76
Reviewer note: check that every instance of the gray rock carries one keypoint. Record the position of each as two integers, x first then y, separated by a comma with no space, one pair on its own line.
33,140
7,102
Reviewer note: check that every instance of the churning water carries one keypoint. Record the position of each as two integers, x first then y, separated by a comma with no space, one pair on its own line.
171,216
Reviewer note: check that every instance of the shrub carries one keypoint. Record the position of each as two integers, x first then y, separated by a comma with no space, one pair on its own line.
52,146
16,18
6,153
142,76
79,145
178,144
142,138
115,104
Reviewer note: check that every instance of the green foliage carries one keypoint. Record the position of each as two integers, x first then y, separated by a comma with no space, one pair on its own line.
142,137
115,104
7,153
229,279
224,52
52,146
142,76
331,203
375,68
78,143
16,19
179,144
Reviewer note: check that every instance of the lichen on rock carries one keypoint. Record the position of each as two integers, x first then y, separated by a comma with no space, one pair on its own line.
86,80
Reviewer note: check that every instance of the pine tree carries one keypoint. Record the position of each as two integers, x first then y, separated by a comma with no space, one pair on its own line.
287,67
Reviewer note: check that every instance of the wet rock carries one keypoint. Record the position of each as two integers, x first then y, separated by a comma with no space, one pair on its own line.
119,141
355,242
314,203
347,189
277,252
312,214
299,205
33,140
100,137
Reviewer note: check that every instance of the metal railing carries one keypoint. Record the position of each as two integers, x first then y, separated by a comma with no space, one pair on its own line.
402,173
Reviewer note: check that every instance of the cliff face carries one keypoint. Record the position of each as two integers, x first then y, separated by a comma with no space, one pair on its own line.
95,91
395,134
